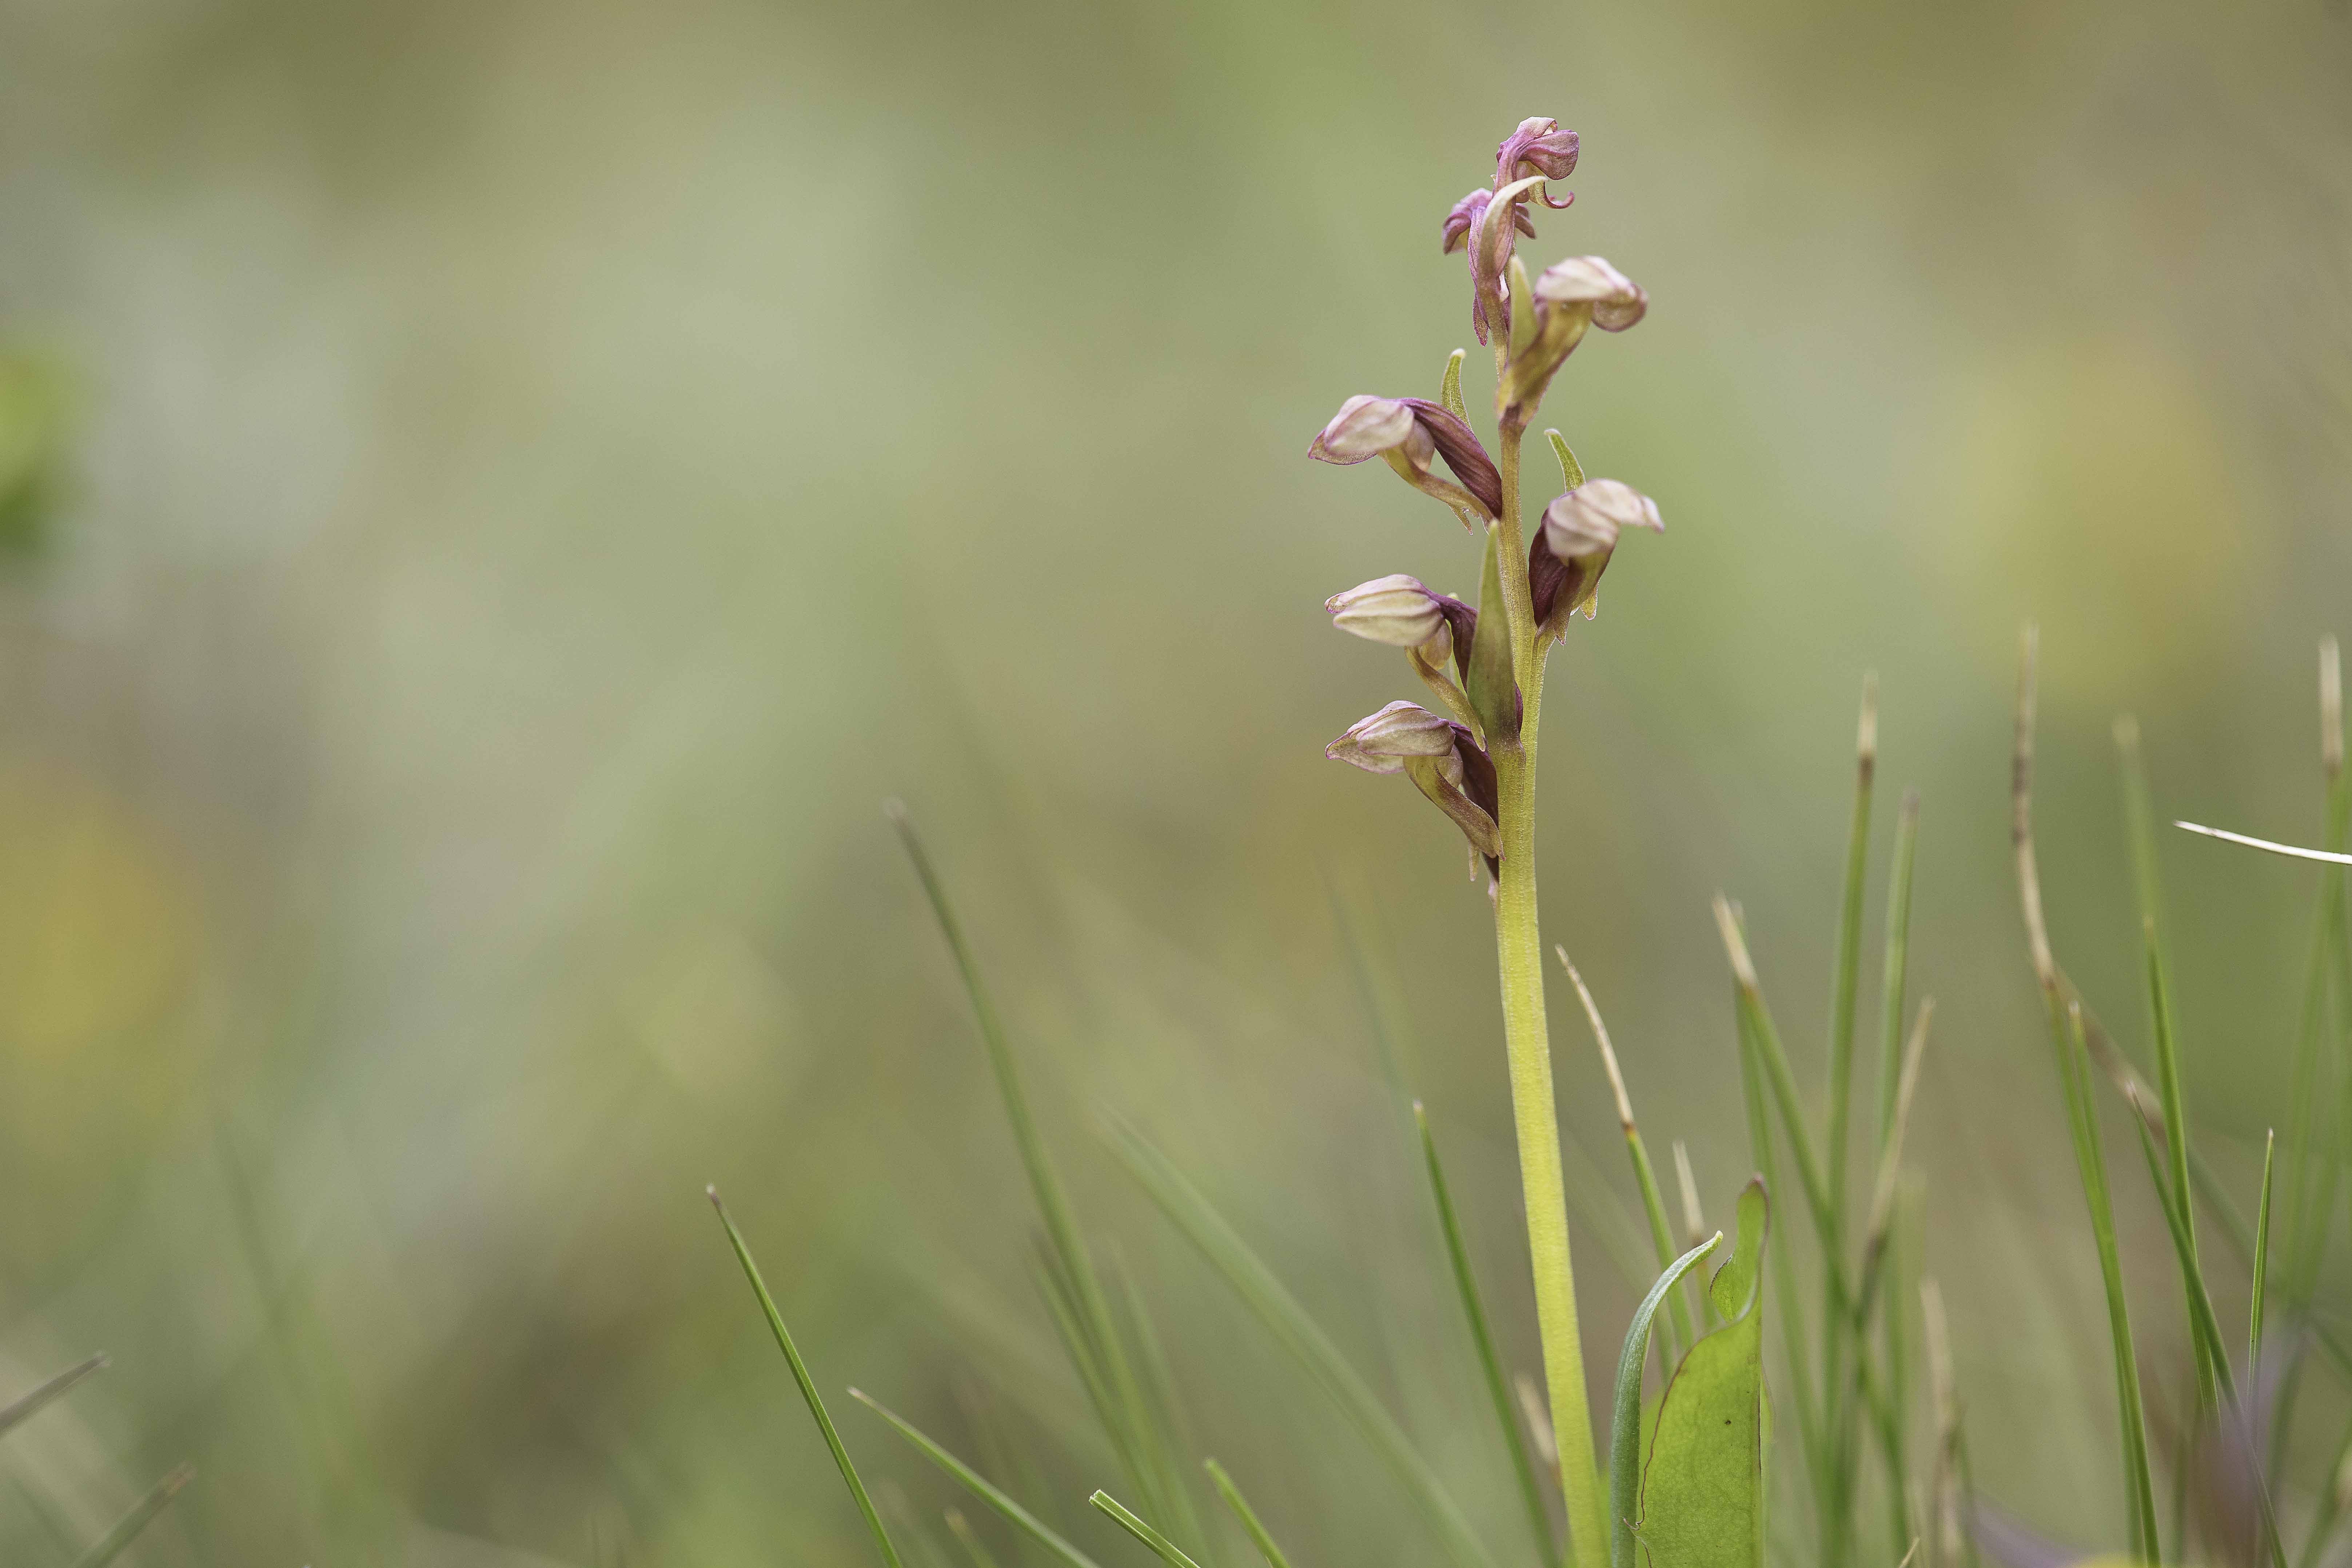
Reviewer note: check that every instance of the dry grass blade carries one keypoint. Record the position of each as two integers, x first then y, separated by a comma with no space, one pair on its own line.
2291,850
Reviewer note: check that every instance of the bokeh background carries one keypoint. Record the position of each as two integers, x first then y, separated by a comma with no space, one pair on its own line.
495,493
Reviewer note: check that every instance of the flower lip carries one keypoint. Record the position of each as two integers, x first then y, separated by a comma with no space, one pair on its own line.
1380,742
1365,428
1616,300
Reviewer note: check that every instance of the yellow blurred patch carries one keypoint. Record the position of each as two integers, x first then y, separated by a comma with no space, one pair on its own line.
97,936
2090,491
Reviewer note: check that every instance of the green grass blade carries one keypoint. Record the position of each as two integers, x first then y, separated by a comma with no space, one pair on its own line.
969,1539
1836,1325
1498,1391
2139,816
1847,985
25,1404
1124,1411
2262,1260
1150,1537
1896,975
1620,1237
1774,1059
807,1384
2064,1020
1020,1518
142,1513
1645,1175
1784,1288
2091,1162
1165,1425
1893,984
2204,1330
1241,1510
1625,1423
1273,1304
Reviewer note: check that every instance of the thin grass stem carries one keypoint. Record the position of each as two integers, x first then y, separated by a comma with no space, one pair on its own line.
2066,1039
1142,1446
127,1529
807,1383
1012,1512
2262,1260
1167,1549
1273,1304
1498,1391
29,1404
1232,1498
1645,1176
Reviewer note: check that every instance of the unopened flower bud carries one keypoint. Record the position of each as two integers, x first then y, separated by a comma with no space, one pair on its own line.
1538,147
1396,610
1572,547
1380,742
1408,432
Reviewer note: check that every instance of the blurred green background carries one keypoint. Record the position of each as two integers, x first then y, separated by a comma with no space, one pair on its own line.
495,494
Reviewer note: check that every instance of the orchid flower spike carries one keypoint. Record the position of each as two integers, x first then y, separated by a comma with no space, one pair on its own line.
1441,757
1572,547
1408,432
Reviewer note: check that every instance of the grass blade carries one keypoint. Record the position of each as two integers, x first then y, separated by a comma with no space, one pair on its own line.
1466,1284
1142,1446
1766,1039
969,1539
1645,1176
2139,817
1020,1518
2065,1023
2262,1260
1142,1532
2204,1330
1625,1424
1273,1304
25,1404
807,1384
142,1513
1241,1510
1892,986
1837,1539
1792,1339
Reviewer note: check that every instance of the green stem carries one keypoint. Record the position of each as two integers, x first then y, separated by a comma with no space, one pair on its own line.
1518,946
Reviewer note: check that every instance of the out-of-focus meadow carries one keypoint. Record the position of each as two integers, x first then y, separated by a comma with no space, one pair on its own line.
504,489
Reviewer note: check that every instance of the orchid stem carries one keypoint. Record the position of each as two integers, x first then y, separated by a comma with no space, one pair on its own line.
1519,952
